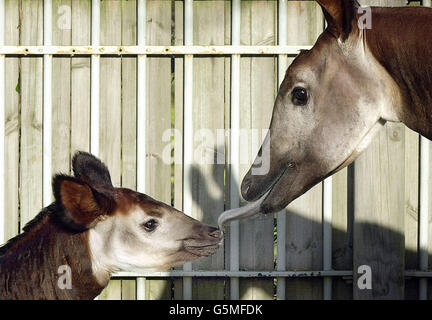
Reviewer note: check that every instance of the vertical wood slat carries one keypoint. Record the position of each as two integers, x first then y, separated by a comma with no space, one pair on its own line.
129,288
110,107
141,118
304,215
379,209
95,79
188,131
61,91
208,187
159,105
12,109
424,207
281,216
258,91
31,28
47,106
80,78
2,124
235,148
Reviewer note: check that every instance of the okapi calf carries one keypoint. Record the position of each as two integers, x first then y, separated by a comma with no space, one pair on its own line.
96,229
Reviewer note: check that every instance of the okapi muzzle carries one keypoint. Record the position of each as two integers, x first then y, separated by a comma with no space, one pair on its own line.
336,97
94,229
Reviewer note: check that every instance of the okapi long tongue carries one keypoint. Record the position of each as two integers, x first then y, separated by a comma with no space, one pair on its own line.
247,211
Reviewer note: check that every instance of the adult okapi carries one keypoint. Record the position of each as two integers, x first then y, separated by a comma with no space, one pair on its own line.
336,96
95,229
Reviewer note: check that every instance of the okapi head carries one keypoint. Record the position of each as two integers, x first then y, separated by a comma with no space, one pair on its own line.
97,229
128,230
335,98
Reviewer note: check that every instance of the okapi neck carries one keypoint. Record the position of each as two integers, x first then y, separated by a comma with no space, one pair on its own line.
31,263
398,40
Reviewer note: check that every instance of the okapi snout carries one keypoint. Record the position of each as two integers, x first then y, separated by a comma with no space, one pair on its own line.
96,229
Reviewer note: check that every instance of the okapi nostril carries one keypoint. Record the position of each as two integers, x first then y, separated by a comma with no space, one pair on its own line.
215,234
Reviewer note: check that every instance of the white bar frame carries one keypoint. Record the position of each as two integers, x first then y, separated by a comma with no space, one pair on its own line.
151,50
47,107
235,149
281,216
95,79
188,132
2,125
141,119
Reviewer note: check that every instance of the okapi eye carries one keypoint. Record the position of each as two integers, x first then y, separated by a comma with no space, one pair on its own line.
299,96
150,225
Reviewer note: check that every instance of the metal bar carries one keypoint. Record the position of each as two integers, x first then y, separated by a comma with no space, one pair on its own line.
2,125
95,75
281,216
327,235
96,49
47,108
424,208
237,274
141,120
188,132
235,149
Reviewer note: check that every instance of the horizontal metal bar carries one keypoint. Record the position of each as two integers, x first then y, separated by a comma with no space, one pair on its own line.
256,274
151,50
239,274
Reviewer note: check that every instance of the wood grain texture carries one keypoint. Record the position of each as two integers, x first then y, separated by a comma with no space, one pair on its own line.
111,108
208,114
258,87
80,78
31,28
379,207
158,184
128,116
304,215
61,90
12,122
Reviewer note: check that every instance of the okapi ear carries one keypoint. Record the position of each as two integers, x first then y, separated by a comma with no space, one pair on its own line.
83,206
340,15
90,169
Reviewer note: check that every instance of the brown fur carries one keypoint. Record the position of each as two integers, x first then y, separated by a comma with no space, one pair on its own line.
400,40
29,262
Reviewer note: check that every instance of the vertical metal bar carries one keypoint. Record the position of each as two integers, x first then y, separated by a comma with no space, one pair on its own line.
2,125
47,107
95,75
281,216
235,149
424,207
188,131
141,120
327,235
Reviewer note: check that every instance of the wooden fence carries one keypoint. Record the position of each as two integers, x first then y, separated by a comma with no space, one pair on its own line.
98,103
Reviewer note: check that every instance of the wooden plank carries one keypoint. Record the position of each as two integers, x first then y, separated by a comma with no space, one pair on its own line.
12,122
110,107
258,91
128,118
31,28
304,215
411,209
80,78
208,102
178,126
61,88
379,209
158,184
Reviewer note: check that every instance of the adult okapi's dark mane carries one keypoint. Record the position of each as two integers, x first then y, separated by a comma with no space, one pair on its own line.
30,227
400,41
